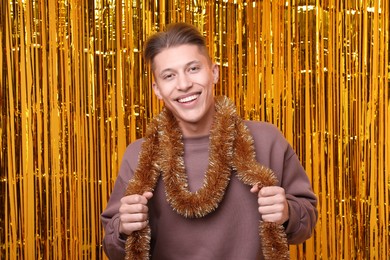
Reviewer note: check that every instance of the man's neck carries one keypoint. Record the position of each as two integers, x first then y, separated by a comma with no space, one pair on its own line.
195,130
199,128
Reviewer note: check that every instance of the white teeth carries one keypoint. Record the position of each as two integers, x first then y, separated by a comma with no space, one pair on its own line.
187,99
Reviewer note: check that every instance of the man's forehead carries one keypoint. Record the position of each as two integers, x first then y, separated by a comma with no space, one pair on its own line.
180,55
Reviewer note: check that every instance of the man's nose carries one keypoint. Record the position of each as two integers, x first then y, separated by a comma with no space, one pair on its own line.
184,82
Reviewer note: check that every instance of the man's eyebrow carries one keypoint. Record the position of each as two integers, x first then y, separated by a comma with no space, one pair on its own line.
186,65
192,62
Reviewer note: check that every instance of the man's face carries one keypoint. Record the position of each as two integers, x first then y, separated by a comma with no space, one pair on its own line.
184,79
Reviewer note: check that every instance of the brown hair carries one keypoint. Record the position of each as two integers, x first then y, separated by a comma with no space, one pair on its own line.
175,34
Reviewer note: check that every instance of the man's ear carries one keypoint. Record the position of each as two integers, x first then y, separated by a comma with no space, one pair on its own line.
156,90
215,70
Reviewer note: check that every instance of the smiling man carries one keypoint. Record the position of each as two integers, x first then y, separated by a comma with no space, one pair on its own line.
202,179
184,79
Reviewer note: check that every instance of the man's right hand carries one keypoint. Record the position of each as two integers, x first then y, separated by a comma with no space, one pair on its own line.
134,213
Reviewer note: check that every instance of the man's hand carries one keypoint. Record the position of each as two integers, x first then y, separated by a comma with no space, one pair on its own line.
134,213
273,205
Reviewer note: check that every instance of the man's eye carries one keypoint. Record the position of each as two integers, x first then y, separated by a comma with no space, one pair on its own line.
168,76
195,68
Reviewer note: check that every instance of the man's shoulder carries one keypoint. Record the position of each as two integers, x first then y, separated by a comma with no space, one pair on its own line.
136,144
265,133
261,127
132,150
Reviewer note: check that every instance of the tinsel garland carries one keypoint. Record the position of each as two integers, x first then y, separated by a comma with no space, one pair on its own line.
231,149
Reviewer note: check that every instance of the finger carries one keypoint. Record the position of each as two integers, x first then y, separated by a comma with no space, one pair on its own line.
271,191
132,218
271,209
134,199
148,195
128,228
255,189
264,201
277,218
271,200
133,208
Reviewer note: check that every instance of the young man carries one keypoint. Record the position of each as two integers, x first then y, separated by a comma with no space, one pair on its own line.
184,187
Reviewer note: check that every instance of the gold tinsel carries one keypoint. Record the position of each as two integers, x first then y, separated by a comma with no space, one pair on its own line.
75,91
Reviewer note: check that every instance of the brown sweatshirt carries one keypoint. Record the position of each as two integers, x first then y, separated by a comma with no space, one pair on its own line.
230,232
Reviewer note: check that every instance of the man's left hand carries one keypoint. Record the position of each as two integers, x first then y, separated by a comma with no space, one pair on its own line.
273,205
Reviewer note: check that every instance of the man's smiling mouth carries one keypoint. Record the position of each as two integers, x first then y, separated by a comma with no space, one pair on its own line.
188,99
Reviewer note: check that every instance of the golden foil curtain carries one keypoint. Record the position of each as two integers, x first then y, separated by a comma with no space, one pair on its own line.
75,91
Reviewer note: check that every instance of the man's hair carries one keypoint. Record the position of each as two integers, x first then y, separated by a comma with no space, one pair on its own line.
175,35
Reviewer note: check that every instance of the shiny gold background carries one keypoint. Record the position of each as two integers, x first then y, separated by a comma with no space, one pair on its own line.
75,91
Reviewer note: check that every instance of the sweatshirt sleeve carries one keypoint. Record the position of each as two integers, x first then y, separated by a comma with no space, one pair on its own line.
274,151
113,244
301,200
